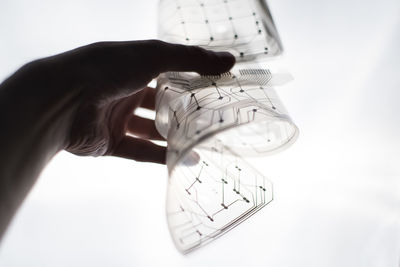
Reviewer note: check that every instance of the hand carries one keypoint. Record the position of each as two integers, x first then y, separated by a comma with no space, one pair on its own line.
83,101
112,79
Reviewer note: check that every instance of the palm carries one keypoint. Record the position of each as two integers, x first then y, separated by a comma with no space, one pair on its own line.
115,76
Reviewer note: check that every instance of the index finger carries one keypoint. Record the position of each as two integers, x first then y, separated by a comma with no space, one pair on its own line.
177,57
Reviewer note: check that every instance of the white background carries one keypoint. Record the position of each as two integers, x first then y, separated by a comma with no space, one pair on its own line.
337,190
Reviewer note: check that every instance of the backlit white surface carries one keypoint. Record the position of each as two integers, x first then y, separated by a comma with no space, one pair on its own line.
337,190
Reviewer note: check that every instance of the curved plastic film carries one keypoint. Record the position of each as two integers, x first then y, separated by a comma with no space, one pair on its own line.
212,123
243,27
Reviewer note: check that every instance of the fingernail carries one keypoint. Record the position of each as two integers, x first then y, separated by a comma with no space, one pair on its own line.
191,159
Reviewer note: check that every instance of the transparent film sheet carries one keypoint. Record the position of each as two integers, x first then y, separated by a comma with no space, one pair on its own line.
243,27
212,123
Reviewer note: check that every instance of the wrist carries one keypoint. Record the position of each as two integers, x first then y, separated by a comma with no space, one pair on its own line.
35,115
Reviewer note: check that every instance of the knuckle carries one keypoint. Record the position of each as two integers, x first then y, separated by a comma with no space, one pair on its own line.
156,43
97,45
155,47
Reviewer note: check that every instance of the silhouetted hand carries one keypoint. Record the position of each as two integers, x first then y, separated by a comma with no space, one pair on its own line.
83,101
111,78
